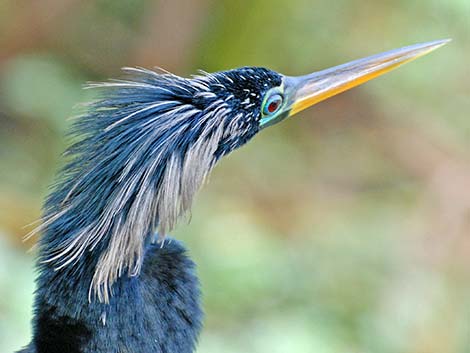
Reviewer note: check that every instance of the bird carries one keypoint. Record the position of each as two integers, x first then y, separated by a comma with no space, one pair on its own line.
110,278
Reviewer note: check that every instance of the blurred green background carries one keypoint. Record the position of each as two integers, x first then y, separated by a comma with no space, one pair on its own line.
344,229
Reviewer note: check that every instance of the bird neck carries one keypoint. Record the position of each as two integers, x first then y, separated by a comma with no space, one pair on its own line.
124,181
156,311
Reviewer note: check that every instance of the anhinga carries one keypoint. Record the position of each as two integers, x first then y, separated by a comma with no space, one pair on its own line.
108,279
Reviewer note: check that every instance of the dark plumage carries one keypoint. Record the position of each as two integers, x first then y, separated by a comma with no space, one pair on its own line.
158,311
144,149
142,153
108,280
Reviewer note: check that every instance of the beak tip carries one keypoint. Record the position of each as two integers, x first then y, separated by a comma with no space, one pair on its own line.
418,50
438,43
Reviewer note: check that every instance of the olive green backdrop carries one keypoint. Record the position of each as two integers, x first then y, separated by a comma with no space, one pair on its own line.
344,229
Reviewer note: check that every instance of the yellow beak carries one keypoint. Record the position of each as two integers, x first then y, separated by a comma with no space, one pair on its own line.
316,87
304,91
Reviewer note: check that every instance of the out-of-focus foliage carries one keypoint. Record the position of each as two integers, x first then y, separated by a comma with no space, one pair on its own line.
344,229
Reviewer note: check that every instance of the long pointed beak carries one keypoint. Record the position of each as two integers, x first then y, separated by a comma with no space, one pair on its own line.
304,91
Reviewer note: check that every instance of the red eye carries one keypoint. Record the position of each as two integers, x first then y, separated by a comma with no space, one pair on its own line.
272,104
272,107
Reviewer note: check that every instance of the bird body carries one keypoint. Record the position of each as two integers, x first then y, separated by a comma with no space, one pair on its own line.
103,279
109,278
159,311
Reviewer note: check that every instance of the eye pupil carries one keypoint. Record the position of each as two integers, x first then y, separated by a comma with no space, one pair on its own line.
273,106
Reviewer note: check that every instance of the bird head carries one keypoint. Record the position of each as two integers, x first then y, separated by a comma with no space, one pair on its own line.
146,145
270,97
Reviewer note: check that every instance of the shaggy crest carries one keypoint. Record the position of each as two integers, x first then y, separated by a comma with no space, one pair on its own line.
144,149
